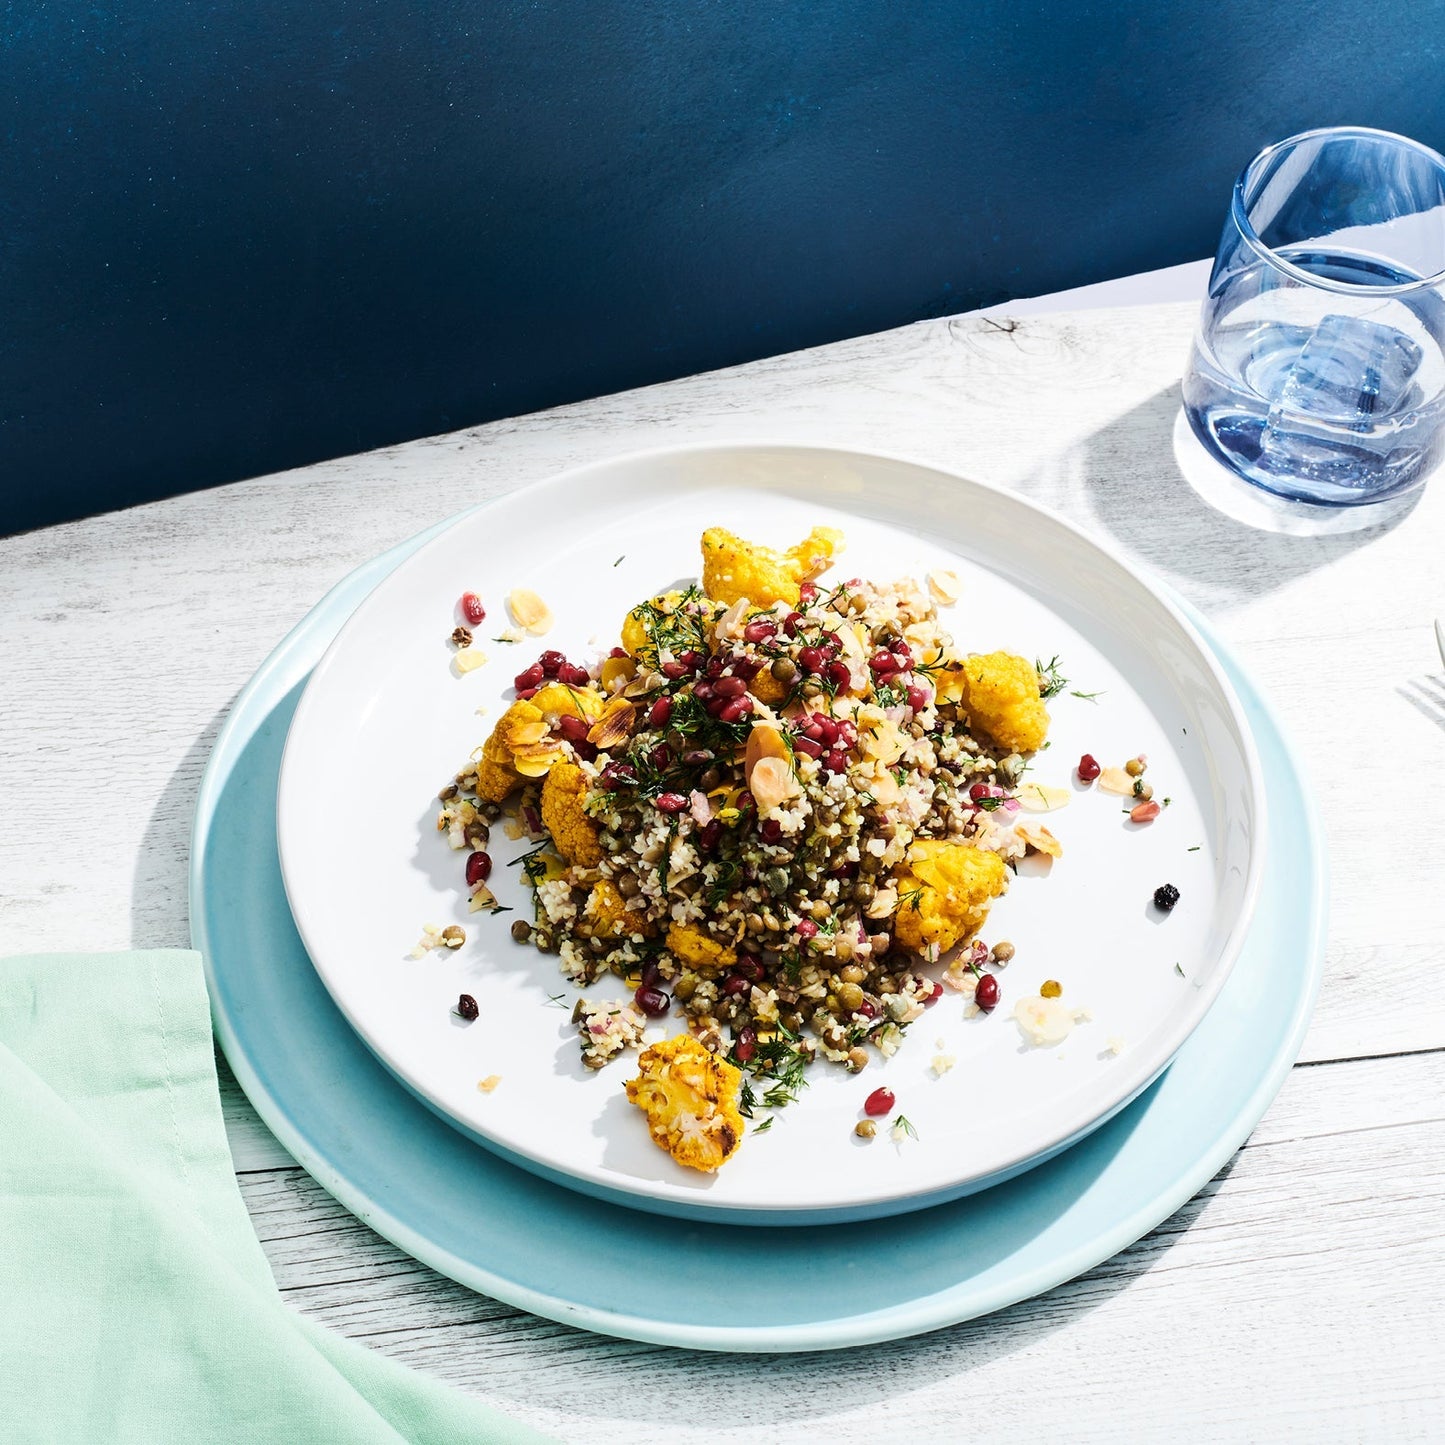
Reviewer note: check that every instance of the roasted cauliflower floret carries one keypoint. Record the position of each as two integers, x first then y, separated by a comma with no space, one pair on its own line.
733,568
1000,694
606,914
573,833
693,946
522,744
944,892
690,1098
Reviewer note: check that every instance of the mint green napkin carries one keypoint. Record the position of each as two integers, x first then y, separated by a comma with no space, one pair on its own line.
135,1301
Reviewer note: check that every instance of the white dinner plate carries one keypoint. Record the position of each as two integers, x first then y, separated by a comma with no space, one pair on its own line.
385,721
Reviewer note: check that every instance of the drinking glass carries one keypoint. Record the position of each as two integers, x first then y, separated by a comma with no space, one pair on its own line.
1318,370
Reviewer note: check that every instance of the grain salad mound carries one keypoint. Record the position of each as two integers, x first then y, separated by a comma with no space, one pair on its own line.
775,808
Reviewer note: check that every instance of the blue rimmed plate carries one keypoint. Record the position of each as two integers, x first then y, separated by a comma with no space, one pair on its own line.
560,1254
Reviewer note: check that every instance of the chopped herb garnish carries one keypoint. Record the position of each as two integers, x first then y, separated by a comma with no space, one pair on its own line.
558,1000
1194,849
1087,696
1178,970
764,1126
1052,681
618,562
904,1125
510,641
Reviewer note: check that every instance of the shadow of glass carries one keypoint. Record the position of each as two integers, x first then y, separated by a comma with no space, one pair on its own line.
1127,480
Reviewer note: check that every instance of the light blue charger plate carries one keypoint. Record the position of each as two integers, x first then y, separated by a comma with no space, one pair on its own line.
558,1253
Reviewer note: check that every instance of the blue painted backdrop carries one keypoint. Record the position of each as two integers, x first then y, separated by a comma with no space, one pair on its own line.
239,235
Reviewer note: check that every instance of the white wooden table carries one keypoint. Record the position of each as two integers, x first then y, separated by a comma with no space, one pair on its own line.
1297,1297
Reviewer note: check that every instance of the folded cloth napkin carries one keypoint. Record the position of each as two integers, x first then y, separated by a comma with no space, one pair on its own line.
135,1301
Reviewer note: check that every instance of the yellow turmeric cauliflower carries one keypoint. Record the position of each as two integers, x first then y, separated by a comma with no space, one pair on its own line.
691,1102
606,914
1000,693
733,568
573,833
944,891
693,946
521,745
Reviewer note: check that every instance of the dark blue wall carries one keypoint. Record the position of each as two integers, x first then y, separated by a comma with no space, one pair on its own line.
241,236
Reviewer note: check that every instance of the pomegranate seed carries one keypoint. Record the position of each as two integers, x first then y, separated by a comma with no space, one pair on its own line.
882,664
844,870
749,967
670,802
904,655
808,747
1089,768
839,675
806,928
472,609
807,593
815,728
918,697
979,792
736,710
479,868
551,662
831,643
711,832
836,761
572,675
792,622
729,687
745,802
659,713
674,670
746,1046
651,975
661,757
527,693
879,1102
760,630
811,659
615,774
467,1007
934,997
987,993
619,652
585,750
847,733
572,728
696,757
702,691
748,668
652,1001
771,831
1143,812
735,984
714,667
867,1009
692,659
530,677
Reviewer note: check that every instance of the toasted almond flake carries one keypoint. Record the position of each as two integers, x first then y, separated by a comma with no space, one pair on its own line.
523,733
942,1063
1043,1021
1039,838
529,611
482,897
468,659
772,783
485,1086
481,711
1116,780
614,725
945,587
764,741
1040,798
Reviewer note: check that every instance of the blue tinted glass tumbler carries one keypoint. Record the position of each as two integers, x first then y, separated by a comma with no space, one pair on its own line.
1318,371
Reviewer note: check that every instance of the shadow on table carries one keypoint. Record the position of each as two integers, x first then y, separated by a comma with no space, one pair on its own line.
1426,695
1125,481
159,915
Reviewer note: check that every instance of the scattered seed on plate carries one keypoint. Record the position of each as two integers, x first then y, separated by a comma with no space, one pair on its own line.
453,936
1050,988
1143,812
1166,895
879,1102
485,1086
986,995
1088,768
865,1128
467,1007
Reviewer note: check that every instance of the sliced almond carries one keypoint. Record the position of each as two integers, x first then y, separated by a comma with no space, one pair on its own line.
1039,798
522,733
772,783
945,587
529,611
1116,780
1039,838
614,725
764,741
468,659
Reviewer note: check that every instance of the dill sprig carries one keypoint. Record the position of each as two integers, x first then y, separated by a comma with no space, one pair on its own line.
1051,680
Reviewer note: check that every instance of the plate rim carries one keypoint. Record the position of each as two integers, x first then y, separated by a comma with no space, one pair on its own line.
916,1317
660,1195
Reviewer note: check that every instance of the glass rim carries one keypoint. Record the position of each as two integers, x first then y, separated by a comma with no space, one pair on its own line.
1245,226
